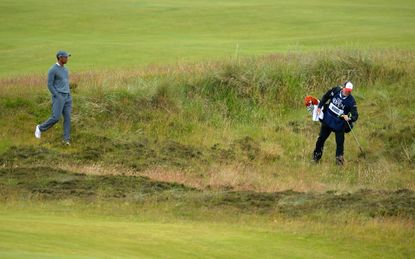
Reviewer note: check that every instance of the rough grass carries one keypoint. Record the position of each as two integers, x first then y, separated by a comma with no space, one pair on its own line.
48,183
236,124
222,142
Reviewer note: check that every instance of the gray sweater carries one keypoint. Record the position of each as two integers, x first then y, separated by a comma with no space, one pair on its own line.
58,80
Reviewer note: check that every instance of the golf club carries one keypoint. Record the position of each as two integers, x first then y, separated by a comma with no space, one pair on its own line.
358,144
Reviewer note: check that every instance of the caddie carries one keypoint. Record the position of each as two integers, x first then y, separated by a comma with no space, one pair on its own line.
341,107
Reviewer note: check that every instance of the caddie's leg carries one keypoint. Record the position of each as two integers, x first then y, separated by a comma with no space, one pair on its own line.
324,134
339,143
339,147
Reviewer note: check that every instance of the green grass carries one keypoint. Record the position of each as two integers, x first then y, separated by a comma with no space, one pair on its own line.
42,230
131,34
206,94
238,124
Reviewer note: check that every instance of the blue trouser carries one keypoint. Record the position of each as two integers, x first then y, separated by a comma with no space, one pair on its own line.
61,105
324,134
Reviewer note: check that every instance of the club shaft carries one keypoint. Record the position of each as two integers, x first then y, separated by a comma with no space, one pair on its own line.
358,144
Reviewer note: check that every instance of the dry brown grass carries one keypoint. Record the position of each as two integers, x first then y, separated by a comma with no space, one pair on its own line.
97,169
109,79
230,177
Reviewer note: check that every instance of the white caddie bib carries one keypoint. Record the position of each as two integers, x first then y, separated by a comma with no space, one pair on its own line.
335,109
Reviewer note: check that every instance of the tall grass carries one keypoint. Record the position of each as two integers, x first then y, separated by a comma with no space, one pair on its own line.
243,116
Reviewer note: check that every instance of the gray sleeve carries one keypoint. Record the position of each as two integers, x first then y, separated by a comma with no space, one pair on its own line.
51,79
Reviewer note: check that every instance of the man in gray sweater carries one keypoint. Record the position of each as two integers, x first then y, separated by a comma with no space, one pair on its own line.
58,84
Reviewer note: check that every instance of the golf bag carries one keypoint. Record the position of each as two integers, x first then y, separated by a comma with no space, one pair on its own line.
311,104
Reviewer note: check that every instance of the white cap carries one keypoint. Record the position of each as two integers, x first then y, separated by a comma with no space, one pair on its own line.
348,86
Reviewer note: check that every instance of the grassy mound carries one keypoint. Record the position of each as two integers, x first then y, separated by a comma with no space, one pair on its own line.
228,143
43,183
238,124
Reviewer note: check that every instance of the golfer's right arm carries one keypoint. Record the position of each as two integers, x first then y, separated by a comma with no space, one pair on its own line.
51,79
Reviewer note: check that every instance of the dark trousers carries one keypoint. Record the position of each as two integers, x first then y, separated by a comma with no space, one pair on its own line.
324,134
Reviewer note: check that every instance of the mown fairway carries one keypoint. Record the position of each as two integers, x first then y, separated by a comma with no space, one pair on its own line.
206,159
76,235
107,34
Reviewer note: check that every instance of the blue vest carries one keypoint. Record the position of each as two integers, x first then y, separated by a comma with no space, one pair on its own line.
338,106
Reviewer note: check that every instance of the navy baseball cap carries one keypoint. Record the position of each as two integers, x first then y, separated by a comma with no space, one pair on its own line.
62,53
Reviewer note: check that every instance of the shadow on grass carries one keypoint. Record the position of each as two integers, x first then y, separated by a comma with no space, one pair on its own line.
49,183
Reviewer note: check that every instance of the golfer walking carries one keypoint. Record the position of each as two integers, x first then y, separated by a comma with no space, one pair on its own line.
58,85
340,110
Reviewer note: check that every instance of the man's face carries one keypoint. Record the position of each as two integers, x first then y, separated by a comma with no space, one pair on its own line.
63,59
346,92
